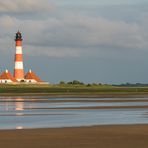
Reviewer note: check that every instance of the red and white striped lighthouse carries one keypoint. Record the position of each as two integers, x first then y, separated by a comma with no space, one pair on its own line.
18,70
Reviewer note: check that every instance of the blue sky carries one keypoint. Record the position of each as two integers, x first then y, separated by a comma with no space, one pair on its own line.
102,41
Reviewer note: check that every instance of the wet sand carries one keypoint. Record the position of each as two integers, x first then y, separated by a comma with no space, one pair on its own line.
93,108
120,136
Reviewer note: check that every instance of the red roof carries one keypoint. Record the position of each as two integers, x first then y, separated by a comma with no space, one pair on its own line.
31,75
7,75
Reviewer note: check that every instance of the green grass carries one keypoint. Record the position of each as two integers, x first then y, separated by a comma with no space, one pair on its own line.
58,89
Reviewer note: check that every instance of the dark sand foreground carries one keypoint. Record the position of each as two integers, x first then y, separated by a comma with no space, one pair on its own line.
126,136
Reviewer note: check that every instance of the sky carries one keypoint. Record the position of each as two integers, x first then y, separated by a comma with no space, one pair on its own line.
94,41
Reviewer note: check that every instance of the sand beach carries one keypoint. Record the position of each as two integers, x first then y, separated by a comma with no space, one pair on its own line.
117,136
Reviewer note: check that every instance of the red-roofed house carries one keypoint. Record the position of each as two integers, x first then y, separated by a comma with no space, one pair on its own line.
6,77
32,77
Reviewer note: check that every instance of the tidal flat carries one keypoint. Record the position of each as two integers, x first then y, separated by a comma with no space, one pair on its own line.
43,121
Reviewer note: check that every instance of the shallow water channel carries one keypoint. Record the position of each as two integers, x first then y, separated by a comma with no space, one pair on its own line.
42,112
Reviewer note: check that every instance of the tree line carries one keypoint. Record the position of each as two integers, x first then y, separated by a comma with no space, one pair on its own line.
77,82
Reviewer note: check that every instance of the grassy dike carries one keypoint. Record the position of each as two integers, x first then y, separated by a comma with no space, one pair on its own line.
70,90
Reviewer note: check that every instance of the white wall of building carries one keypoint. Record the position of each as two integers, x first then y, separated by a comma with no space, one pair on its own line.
30,81
5,81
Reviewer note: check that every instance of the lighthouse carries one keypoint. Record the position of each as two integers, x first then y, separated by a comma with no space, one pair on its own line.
18,69
19,76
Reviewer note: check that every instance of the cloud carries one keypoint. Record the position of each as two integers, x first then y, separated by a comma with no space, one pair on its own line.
19,6
53,52
85,33
72,35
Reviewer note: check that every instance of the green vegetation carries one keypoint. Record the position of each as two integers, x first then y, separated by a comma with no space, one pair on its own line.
76,83
74,87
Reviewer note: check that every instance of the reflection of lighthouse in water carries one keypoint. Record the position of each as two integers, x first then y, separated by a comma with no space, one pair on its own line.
14,104
19,104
